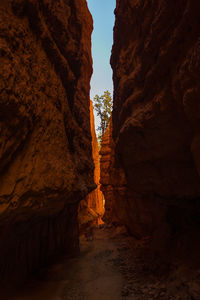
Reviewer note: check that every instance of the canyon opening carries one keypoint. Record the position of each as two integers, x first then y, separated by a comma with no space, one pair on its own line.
57,240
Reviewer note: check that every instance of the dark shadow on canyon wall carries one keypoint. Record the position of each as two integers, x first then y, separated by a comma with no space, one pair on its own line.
150,159
46,164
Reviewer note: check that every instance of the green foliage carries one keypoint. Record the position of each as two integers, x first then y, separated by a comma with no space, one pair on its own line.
103,107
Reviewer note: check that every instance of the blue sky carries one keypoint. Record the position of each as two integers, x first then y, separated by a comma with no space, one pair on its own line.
102,39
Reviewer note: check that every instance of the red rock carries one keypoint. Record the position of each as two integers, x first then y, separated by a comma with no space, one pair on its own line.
156,68
95,198
113,182
92,208
46,164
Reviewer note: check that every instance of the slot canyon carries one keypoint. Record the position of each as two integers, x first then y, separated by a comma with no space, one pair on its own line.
122,222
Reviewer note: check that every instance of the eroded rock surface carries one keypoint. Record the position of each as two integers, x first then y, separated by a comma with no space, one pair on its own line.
91,208
113,182
46,164
156,65
107,155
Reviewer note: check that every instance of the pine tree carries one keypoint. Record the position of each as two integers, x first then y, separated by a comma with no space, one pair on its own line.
103,107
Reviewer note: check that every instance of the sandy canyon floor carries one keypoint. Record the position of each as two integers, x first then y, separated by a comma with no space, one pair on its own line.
111,266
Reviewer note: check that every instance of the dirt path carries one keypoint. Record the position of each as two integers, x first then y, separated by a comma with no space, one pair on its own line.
112,266
91,276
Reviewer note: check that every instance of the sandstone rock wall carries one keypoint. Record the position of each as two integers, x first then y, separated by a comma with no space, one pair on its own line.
113,182
107,156
156,65
92,207
95,201
46,164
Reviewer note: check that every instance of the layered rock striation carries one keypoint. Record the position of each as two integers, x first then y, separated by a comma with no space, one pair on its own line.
107,156
91,209
46,164
156,68
113,181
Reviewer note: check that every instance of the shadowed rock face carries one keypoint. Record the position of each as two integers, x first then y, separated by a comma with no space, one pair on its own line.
156,123
46,164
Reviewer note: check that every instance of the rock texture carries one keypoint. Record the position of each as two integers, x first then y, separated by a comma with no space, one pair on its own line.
46,164
107,156
91,209
113,182
156,123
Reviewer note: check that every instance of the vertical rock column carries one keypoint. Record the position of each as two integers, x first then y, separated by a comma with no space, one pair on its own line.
92,208
156,67
113,182
46,164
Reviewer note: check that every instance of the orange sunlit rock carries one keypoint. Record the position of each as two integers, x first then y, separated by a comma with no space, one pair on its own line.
46,164
92,208
113,183
95,199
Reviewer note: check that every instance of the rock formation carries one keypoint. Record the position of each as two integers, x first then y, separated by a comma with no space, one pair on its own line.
46,164
113,182
92,208
107,155
156,68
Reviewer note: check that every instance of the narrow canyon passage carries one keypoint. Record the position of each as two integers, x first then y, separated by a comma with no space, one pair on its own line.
52,174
